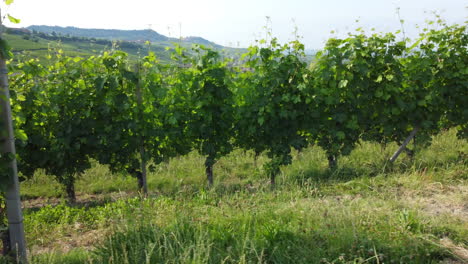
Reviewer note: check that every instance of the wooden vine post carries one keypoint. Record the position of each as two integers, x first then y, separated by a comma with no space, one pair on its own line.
144,184
7,148
405,143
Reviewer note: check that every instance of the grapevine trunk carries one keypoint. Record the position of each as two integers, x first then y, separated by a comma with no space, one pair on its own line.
332,162
209,174
70,189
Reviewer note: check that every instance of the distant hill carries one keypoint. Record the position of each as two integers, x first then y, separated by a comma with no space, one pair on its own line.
201,41
36,41
140,36
110,34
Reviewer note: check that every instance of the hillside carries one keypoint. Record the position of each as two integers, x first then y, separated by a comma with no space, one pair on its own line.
36,41
138,36
111,34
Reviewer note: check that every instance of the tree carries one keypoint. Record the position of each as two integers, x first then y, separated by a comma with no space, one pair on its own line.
447,48
205,87
272,103
338,103
130,115
57,112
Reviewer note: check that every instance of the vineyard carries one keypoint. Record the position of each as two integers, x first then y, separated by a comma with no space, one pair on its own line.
369,92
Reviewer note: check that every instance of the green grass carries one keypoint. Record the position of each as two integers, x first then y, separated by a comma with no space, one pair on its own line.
367,211
40,48
18,43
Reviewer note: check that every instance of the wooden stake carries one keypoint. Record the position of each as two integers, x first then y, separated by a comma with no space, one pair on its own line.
7,142
403,146
142,139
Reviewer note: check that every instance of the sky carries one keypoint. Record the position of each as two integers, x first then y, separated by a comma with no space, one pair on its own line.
239,23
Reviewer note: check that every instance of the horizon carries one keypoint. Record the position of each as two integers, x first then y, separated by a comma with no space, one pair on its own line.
218,21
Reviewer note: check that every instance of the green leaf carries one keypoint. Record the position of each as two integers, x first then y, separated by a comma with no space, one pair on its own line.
340,135
13,20
5,50
21,135
172,120
343,83
378,93
9,2
261,120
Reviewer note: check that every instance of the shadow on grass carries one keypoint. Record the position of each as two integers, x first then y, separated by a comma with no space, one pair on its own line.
351,170
38,204
326,175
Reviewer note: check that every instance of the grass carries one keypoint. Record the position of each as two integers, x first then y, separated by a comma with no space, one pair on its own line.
29,48
366,211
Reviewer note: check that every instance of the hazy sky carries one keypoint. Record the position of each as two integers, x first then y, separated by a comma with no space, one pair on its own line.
238,22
